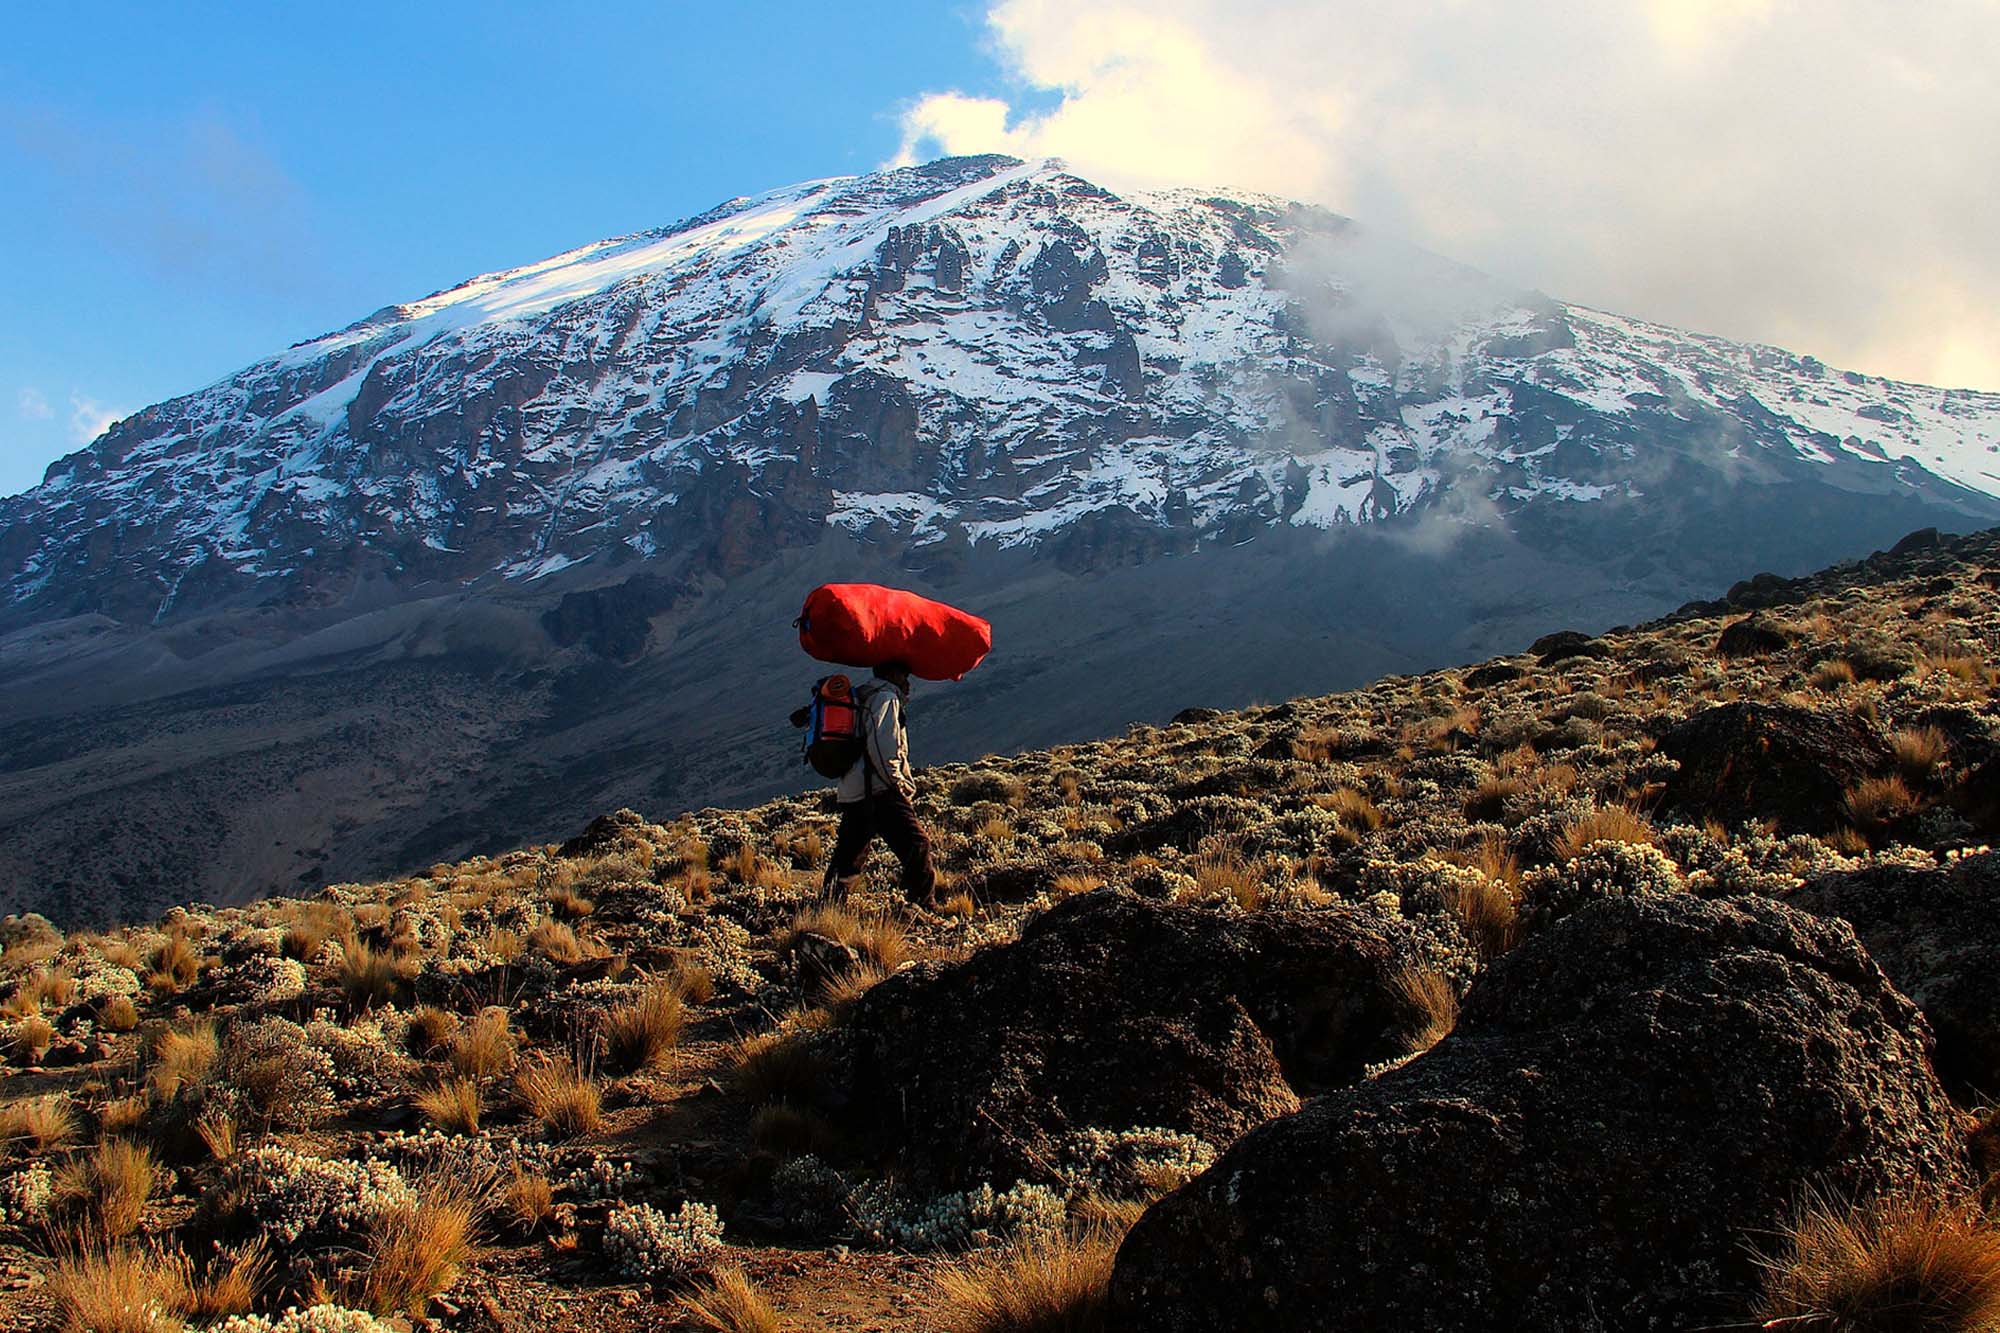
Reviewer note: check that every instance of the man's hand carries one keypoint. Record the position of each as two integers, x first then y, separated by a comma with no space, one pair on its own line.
801,716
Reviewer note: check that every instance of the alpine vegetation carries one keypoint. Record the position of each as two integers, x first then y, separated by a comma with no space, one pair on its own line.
1639,979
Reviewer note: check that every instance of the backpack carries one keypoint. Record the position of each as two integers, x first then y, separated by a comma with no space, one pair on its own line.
833,723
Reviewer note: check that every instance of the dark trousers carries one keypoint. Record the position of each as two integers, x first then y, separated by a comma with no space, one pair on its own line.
891,815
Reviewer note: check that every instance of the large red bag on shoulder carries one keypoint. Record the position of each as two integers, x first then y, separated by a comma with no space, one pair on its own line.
866,624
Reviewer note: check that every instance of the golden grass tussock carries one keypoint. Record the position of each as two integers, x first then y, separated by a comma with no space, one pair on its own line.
452,1106
1918,751
1353,808
1044,1284
418,1249
117,1013
230,1284
776,1066
183,1059
1604,823
122,1290
1075,882
218,1132
1906,1264
177,961
560,1096
877,938
429,1031
103,1194
558,943
642,1034
33,1036
1488,911
486,1047
37,1126
368,976
731,1303
1432,1008
1873,804
842,991
528,1201
1227,877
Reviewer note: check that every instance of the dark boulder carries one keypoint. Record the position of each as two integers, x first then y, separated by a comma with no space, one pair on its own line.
1565,644
1113,1012
1923,539
1936,933
1753,636
1629,1102
1192,715
1492,673
1769,761
604,834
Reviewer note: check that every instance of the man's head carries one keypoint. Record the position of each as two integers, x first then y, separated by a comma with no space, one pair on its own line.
896,673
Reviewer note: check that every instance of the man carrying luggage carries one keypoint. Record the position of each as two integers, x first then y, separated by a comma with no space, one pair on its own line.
877,795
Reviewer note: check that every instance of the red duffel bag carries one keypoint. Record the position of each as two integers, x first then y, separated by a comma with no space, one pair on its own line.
865,624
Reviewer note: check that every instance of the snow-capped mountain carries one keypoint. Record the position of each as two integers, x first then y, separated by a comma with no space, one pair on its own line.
486,563
978,353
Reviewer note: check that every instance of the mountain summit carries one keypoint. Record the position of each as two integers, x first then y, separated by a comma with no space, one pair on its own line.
977,353
485,562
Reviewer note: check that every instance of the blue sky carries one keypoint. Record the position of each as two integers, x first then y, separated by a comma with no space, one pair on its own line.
191,187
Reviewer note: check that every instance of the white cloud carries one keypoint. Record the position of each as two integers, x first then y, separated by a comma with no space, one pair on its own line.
1814,173
33,405
89,418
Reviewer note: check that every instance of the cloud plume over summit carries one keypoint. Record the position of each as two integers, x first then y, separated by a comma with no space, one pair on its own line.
1814,174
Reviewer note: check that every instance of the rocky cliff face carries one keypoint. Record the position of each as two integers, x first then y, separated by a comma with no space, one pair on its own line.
1181,447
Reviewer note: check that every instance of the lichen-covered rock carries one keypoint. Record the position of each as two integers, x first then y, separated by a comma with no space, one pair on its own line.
1761,760
1936,933
1110,1012
1628,1102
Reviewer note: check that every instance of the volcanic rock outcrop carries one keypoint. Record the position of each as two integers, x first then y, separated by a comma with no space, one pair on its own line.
1936,933
1625,1099
1114,1012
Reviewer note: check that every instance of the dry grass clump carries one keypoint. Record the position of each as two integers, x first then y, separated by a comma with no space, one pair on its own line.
1227,877
1873,804
104,1193
33,1036
1353,808
528,1201
452,1106
557,942
731,1303
1918,751
486,1047
368,976
1070,884
559,1095
1047,1284
121,1115
119,1291
1910,1264
1604,823
878,939
777,1066
1432,1005
37,1126
176,964
419,1249
229,1286
117,1013
429,1031
1489,913
641,1035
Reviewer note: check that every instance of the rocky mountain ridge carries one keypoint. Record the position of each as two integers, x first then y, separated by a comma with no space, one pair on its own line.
977,353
